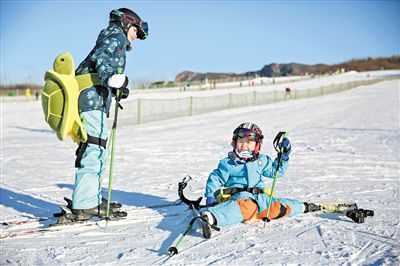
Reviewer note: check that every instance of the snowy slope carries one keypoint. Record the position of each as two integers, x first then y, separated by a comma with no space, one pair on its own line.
345,148
300,84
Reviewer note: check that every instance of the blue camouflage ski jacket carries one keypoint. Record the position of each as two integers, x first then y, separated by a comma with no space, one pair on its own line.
231,173
106,59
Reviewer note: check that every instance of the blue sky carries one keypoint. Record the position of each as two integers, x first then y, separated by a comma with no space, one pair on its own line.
202,36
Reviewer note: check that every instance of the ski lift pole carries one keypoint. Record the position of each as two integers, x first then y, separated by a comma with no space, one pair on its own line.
113,133
277,140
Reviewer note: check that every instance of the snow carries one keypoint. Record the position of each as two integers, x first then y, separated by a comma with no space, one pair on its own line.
345,148
299,83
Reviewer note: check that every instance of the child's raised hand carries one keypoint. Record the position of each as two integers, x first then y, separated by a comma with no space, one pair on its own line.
287,148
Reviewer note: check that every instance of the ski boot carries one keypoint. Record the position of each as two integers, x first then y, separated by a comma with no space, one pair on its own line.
69,215
207,221
113,205
64,217
311,207
359,215
98,211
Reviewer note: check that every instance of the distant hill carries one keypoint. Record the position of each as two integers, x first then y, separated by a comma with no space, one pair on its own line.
294,69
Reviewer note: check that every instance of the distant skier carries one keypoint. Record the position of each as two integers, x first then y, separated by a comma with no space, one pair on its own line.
107,59
236,191
27,94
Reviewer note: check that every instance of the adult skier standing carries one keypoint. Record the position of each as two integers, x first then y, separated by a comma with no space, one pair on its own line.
107,59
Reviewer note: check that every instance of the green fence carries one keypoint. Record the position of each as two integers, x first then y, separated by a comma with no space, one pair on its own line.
146,110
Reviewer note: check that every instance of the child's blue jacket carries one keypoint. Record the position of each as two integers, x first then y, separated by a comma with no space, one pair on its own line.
233,173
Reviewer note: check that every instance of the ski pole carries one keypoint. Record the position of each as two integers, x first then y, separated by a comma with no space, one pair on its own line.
113,133
276,142
174,249
195,206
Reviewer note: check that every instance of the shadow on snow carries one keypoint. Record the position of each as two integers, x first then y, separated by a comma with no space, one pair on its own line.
175,218
27,204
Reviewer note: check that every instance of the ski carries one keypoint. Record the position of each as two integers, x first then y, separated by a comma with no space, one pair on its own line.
22,222
351,210
77,226
40,230
13,223
48,224
205,226
53,227
336,207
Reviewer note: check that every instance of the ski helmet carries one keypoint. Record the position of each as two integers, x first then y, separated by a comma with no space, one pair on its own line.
126,18
252,132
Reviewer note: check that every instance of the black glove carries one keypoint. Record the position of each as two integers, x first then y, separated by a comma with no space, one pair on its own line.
119,82
123,92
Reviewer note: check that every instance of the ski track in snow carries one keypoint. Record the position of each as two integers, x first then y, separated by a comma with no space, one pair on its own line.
345,148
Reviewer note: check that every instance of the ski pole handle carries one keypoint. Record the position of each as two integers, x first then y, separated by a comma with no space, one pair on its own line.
278,139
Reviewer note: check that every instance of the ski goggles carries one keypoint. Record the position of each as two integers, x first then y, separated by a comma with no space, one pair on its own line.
244,132
145,28
142,26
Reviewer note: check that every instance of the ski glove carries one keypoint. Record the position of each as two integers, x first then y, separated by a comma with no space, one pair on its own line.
118,81
123,92
210,201
287,148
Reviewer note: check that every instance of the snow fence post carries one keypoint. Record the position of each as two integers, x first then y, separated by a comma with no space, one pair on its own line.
191,106
139,111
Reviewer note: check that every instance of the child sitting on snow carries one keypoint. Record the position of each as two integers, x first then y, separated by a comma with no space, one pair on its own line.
241,176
